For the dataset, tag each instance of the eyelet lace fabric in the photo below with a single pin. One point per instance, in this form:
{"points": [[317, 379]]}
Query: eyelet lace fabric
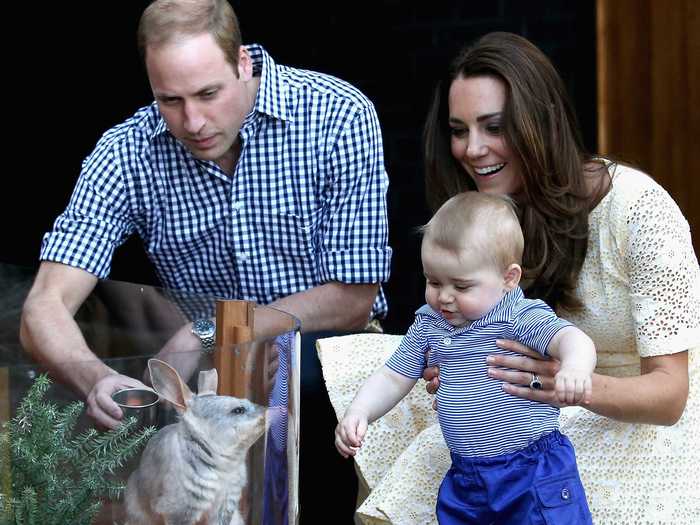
{"points": [[640, 285]]}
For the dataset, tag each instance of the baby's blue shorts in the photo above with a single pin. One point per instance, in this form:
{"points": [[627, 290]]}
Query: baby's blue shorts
{"points": [[538, 485]]}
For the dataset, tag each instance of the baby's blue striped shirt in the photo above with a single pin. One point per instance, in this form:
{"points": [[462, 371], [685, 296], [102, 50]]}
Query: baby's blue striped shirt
{"points": [[479, 419]]}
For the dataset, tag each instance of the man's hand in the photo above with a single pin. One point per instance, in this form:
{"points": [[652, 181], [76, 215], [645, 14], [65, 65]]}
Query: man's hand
{"points": [[101, 407], [349, 433]]}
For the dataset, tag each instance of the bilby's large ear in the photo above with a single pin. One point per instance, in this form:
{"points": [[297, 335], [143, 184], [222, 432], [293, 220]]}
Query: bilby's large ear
{"points": [[167, 382], [207, 382]]}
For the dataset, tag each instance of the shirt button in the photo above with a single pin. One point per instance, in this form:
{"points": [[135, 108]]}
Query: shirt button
{"points": [[243, 256], [447, 341], [237, 206], [565, 494]]}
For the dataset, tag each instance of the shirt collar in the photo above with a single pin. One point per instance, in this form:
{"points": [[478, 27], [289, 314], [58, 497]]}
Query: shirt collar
{"points": [[272, 93], [503, 310], [161, 126]]}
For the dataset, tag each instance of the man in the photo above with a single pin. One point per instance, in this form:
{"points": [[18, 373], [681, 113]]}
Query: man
{"points": [[245, 179]]}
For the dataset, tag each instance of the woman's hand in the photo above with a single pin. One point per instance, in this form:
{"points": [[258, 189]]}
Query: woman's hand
{"points": [[431, 376], [522, 367]]}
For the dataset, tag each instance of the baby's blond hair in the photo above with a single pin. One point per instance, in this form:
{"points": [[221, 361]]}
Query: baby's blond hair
{"points": [[479, 226]]}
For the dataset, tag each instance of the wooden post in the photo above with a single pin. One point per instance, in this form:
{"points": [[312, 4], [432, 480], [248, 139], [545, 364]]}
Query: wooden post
{"points": [[649, 92], [234, 325], [240, 377]]}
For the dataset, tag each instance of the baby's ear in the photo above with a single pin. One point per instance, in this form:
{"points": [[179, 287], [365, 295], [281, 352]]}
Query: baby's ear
{"points": [[512, 276]]}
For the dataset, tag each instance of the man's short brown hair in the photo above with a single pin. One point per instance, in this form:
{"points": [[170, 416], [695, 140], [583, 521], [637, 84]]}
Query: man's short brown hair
{"points": [[166, 20]]}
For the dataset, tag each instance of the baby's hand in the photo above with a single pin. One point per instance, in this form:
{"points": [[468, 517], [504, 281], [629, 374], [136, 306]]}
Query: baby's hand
{"points": [[573, 386], [349, 433]]}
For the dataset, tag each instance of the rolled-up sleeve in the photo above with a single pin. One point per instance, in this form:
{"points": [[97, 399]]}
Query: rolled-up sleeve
{"points": [[95, 221], [353, 244]]}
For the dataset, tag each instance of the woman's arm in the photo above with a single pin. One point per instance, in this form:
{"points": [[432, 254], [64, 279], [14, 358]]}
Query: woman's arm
{"points": [[654, 249], [657, 396]]}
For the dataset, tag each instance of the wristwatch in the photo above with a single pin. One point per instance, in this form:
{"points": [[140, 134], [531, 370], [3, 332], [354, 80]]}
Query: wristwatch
{"points": [[206, 331]]}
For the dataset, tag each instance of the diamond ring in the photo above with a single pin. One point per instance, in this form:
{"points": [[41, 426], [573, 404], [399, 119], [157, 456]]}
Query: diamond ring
{"points": [[536, 383]]}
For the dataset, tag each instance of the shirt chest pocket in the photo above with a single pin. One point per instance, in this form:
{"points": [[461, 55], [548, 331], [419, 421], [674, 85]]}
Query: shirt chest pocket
{"points": [[278, 234]]}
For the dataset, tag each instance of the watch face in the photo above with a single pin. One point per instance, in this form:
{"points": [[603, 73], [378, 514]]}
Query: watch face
{"points": [[203, 327]]}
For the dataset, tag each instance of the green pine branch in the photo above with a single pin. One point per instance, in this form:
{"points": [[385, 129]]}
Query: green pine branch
{"points": [[56, 477]]}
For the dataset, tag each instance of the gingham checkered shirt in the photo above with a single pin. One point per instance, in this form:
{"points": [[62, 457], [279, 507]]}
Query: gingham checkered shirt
{"points": [[306, 204]]}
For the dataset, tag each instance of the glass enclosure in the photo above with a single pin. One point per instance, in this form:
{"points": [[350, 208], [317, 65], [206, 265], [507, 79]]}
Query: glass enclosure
{"points": [[206, 438]]}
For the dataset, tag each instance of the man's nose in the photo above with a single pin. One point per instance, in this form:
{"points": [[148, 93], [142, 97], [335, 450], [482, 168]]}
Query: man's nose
{"points": [[193, 118]]}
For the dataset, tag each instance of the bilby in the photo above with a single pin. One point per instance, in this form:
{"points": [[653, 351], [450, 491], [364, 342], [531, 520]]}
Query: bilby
{"points": [[193, 471]]}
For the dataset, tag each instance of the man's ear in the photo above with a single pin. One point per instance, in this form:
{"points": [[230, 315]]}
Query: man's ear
{"points": [[512, 276], [245, 64]]}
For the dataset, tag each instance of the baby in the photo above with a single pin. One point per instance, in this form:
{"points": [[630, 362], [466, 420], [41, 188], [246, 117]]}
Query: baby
{"points": [[509, 460]]}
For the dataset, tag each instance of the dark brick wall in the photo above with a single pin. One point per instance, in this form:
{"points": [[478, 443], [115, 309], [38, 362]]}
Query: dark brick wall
{"points": [[392, 50]]}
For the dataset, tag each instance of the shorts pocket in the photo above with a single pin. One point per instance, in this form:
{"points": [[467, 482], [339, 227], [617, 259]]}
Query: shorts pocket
{"points": [[562, 500]]}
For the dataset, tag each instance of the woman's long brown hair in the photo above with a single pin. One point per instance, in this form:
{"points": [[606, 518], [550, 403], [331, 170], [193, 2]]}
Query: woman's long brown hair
{"points": [[541, 128]]}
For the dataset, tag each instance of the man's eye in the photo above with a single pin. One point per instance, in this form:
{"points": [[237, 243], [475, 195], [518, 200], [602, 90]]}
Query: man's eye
{"points": [[208, 94], [462, 288]]}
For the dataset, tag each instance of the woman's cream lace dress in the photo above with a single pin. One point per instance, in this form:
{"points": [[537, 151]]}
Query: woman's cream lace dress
{"points": [[641, 287]]}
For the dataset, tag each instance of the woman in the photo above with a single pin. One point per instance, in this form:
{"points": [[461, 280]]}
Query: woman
{"points": [[606, 247]]}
